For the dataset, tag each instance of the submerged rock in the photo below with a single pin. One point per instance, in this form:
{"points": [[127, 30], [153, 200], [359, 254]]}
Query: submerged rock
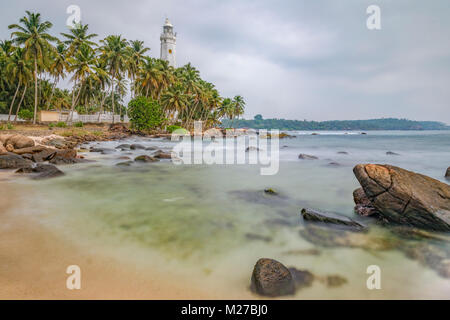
{"points": [[304, 156], [253, 236], [329, 217], [272, 279], [390, 153], [252, 149], [430, 255], [136, 146], [124, 164], [270, 191], [102, 150], [342, 152], [334, 280], [162, 155], [145, 158], [302, 278], [42, 171], [404, 197], [13, 161], [124, 146]]}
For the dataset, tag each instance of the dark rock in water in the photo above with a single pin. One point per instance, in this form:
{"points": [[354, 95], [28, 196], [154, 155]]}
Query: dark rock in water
{"points": [[307, 157], [363, 205], [136, 146], [162, 155], [13, 161], [58, 160], [124, 158], [334, 164], [252, 236], [124, 164], [411, 233], [42, 171], [328, 217], [363, 133], [270, 191], [252, 149], [103, 150], [124, 146], [260, 197], [280, 222], [151, 148], [145, 158], [302, 278], [390, 153], [405, 197], [430, 255], [342, 152], [272, 279], [329, 237], [333, 281], [447, 173], [44, 155]]}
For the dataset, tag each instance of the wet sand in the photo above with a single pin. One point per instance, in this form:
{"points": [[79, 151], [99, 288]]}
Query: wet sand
{"points": [[34, 261]]}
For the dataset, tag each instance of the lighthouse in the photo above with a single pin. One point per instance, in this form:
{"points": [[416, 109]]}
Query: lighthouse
{"points": [[168, 44]]}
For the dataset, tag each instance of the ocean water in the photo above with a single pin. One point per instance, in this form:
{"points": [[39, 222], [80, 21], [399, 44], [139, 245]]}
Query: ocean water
{"points": [[208, 224]]}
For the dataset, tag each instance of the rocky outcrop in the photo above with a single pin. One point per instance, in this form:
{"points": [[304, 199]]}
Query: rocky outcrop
{"points": [[162, 155], [304, 156], [328, 217], [18, 141], [404, 197], [136, 146], [13, 161], [2, 149], [42, 171], [447, 173], [363, 206], [272, 279]]}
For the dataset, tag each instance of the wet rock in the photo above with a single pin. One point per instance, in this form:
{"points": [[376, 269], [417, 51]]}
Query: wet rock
{"points": [[333, 281], [342, 152], [162, 155], [329, 217], [151, 148], [302, 278], [280, 222], [145, 158], [124, 146], [330, 237], [253, 236], [252, 148], [390, 153], [44, 155], [411, 233], [270, 191], [447, 173], [3, 149], [333, 164], [63, 161], [363, 205], [124, 164], [19, 141], [13, 161], [124, 158], [136, 146], [42, 171], [102, 150], [58, 143], [272, 279], [404, 197], [304, 156]]}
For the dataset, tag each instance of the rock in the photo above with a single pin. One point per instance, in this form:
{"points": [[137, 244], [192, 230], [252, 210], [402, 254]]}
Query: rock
{"points": [[411, 233], [328, 217], [58, 143], [102, 150], [302, 278], [390, 153], [119, 127], [363, 206], [334, 164], [19, 141], [136, 146], [342, 152], [252, 148], [252, 236], [270, 191], [13, 161], [67, 153], [44, 155], [447, 173], [124, 146], [272, 279], [125, 163], [330, 238], [333, 281], [430, 255], [124, 158], [145, 158], [3, 149], [42, 171], [151, 148], [3, 138], [57, 160], [404, 197], [9, 148], [162, 155], [307, 157]]}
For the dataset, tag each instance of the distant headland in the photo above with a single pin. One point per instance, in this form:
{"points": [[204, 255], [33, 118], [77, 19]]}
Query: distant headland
{"points": [[372, 124]]}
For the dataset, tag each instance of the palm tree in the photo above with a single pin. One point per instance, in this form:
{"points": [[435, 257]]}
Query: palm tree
{"points": [[33, 35], [174, 100], [136, 52], [58, 67], [149, 77], [78, 36], [114, 53]]}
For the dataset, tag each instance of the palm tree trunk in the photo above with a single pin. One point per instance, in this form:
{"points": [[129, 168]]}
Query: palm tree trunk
{"points": [[51, 95], [12, 102], [35, 90], [20, 103], [112, 99]]}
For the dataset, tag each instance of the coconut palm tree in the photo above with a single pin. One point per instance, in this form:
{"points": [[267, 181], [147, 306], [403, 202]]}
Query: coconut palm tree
{"points": [[77, 36], [174, 100], [114, 53], [136, 51], [58, 67], [32, 34]]}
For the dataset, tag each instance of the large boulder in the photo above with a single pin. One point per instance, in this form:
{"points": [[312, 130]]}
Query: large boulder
{"points": [[42, 171], [405, 197], [13, 161], [272, 279], [19, 141]]}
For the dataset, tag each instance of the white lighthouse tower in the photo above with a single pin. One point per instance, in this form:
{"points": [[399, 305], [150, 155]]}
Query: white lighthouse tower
{"points": [[168, 44]]}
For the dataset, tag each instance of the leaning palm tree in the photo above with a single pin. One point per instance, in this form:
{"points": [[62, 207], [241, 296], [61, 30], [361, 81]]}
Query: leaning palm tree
{"points": [[114, 53], [57, 67], [32, 34]]}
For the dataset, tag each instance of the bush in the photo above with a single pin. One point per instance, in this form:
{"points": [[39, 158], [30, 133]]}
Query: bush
{"points": [[25, 114], [172, 128], [145, 114], [61, 124], [78, 124], [9, 126]]}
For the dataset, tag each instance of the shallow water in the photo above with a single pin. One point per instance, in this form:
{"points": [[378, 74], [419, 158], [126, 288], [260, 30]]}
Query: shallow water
{"points": [[211, 223]]}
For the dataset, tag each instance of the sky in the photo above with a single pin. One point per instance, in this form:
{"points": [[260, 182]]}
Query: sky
{"points": [[299, 59]]}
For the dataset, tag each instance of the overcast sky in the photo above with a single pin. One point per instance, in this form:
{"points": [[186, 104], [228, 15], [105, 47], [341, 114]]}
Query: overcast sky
{"points": [[299, 59]]}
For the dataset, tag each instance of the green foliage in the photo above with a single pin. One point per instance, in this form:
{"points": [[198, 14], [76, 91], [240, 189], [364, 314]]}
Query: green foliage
{"points": [[25, 114], [9, 126], [258, 117], [172, 128], [61, 124], [51, 125], [78, 124], [145, 114], [373, 124]]}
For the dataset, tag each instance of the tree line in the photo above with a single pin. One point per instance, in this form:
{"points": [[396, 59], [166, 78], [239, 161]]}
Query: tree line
{"points": [[33, 62]]}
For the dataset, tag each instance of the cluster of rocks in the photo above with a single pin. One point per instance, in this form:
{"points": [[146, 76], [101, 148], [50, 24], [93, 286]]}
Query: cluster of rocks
{"points": [[22, 153]]}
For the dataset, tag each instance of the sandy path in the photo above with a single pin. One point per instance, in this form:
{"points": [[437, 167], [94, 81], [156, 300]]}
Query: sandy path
{"points": [[33, 264]]}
